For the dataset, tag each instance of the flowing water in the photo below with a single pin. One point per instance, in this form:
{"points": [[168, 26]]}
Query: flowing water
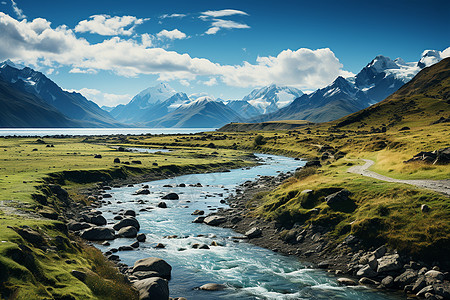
{"points": [[251, 272]]}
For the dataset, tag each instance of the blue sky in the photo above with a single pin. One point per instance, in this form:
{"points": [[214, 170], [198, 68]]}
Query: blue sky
{"points": [[111, 50]]}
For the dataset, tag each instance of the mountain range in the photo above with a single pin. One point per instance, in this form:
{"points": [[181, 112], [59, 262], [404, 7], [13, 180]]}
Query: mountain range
{"points": [[73, 109], [30, 99]]}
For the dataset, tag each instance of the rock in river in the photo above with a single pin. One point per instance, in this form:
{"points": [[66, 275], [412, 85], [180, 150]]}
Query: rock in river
{"points": [[213, 287], [214, 220], [98, 234], [153, 288], [128, 232], [171, 196], [253, 233], [154, 264], [130, 221]]}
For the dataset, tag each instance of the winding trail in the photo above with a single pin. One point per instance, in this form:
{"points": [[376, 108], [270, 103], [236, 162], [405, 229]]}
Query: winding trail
{"points": [[440, 186]]}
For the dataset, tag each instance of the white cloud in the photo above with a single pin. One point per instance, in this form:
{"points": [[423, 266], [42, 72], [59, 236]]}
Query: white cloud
{"points": [[4, 2], [212, 81], [107, 25], [104, 98], [218, 24], [17, 10], [83, 71], [185, 82], [165, 16], [222, 13], [36, 43], [171, 35]]}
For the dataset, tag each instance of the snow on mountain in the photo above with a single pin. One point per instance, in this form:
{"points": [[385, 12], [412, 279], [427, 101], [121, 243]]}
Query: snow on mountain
{"points": [[196, 96], [272, 97], [152, 95], [429, 57]]}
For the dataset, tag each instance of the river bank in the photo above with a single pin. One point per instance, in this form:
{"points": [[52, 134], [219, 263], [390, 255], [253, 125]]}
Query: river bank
{"points": [[350, 261]]}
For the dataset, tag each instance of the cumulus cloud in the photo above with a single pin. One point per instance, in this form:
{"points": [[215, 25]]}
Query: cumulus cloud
{"points": [[212, 81], [171, 35], [36, 43], [102, 98], [185, 82], [17, 10], [218, 24], [109, 26], [165, 16], [83, 71], [222, 13]]}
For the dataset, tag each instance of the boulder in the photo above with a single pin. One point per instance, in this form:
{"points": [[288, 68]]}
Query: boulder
{"points": [[135, 245], [127, 232], [162, 204], [253, 233], [380, 251], [116, 160], [76, 226], [142, 191], [419, 284], [153, 288], [214, 220], [199, 219], [141, 237], [198, 212], [436, 275], [31, 236], [126, 248], [171, 196], [346, 281], [388, 281], [161, 267], [366, 271], [79, 275], [98, 234], [407, 277], [213, 287], [98, 220], [130, 221], [389, 263], [130, 212], [365, 280], [340, 201]]}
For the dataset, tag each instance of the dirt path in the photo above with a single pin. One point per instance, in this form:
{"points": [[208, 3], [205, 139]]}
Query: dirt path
{"points": [[440, 186]]}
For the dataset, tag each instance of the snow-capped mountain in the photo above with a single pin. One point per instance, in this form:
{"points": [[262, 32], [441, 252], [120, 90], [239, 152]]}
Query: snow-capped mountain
{"points": [[245, 109], [73, 105], [272, 97], [376, 81], [201, 113], [142, 101]]}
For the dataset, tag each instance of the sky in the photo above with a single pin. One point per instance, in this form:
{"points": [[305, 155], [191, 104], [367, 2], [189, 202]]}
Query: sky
{"points": [[111, 50]]}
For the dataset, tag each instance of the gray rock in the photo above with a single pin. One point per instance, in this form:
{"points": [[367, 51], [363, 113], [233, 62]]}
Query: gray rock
{"points": [[98, 234], [389, 263], [31, 236], [427, 289], [366, 271], [135, 245], [253, 233], [365, 280], [388, 281], [127, 232], [199, 219], [130, 221], [338, 198], [153, 264], [142, 191], [130, 212], [162, 204], [213, 287], [214, 220], [419, 284], [407, 277], [346, 281], [198, 212], [171, 196], [77, 226], [141, 237], [126, 248], [153, 288], [145, 274], [98, 220], [380, 251], [437, 275], [79, 275]]}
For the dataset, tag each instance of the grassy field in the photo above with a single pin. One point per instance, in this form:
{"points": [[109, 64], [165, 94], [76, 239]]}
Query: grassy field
{"points": [[27, 270]]}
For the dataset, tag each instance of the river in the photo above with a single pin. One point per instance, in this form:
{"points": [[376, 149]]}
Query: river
{"points": [[250, 271]]}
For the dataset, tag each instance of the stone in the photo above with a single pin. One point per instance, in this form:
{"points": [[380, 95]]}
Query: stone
{"points": [[79, 275], [153, 288], [198, 212], [160, 246], [116, 160], [141, 237], [437, 275], [419, 284], [135, 245], [145, 274], [407, 277], [31, 236], [365, 280], [388, 281], [323, 265], [380, 251], [157, 265], [253, 233], [339, 200], [98, 220], [130, 221], [213, 287], [77, 226], [389, 263], [427, 289], [346, 281], [98, 234], [424, 208], [199, 219], [366, 271], [162, 204], [203, 246], [126, 248], [127, 232], [214, 220], [171, 196], [142, 191], [130, 212]]}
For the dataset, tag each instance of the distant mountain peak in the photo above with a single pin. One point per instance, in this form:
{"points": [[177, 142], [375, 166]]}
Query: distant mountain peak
{"points": [[429, 57], [11, 64], [382, 63], [272, 97]]}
